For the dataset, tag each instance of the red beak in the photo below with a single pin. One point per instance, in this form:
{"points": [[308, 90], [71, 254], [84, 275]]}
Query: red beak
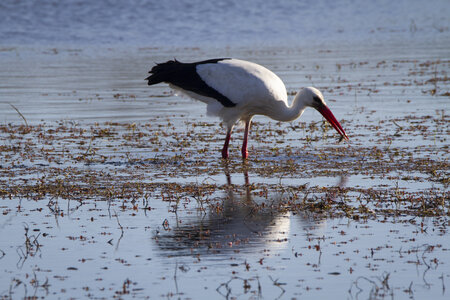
{"points": [[327, 114]]}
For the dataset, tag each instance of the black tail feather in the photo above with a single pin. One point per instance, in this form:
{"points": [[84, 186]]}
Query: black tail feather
{"points": [[163, 72]]}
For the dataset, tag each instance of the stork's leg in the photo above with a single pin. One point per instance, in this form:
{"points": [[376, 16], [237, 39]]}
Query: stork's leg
{"points": [[227, 142], [244, 144]]}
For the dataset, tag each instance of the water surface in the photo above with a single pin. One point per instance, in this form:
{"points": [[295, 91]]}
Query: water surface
{"points": [[110, 188]]}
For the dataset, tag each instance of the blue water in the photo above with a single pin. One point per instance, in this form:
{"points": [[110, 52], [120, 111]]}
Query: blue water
{"points": [[82, 253], [221, 23]]}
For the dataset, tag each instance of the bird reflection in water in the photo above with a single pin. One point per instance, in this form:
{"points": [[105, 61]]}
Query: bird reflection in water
{"points": [[246, 223], [241, 225]]}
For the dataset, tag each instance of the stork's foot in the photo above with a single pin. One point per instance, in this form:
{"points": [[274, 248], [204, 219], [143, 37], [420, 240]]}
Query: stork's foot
{"points": [[225, 146], [244, 144]]}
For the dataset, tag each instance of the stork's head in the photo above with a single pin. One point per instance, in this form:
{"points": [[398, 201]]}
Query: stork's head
{"points": [[314, 98]]}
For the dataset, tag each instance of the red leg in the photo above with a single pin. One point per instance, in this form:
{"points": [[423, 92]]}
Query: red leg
{"points": [[244, 144], [225, 146]]}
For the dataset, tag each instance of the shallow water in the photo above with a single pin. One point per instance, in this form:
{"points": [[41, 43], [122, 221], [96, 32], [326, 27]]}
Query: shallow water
{"points": [[224, 23], [270, 254], [117, 189]]}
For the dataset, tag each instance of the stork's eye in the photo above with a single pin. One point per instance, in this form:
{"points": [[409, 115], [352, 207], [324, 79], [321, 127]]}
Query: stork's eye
{"points": [[317, 99]]}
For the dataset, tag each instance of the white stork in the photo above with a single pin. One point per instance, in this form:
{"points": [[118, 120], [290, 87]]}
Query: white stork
{"points": [[236, 90]]}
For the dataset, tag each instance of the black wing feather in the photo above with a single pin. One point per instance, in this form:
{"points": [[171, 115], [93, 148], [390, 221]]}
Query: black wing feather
{"points": [[185, 76]]}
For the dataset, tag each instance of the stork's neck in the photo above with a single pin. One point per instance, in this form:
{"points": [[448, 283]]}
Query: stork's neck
{"points": [[292, 112]]}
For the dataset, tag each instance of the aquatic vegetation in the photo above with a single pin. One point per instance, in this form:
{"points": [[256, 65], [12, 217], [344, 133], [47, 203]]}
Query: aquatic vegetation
{"points": [[123, 206]]}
